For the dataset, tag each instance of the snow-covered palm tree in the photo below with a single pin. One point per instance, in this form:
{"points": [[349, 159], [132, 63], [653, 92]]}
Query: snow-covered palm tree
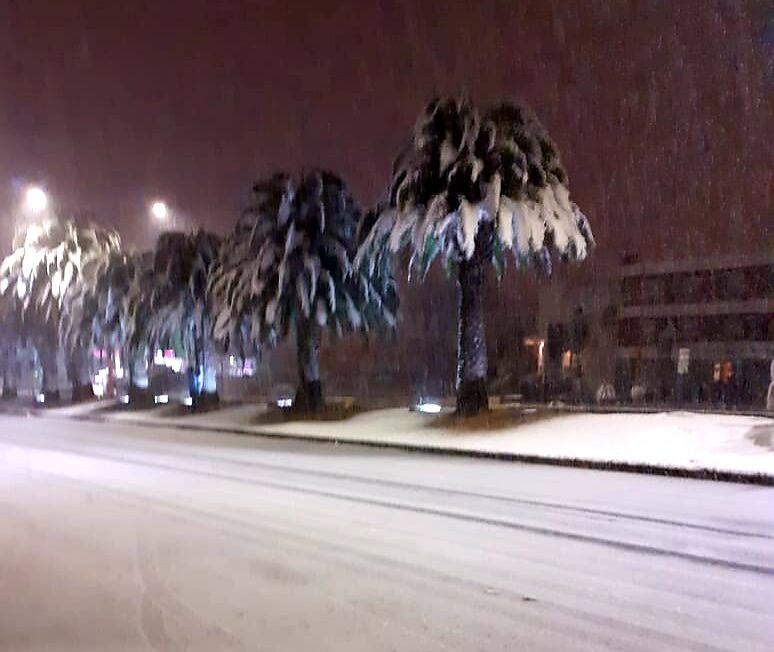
{"points": [[10, 339], [171, 302], [137, 344], [471, 186], [96, 311], [46, 261], [288, 268]]}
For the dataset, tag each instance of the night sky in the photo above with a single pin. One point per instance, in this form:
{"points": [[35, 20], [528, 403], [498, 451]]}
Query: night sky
{"points": [[662, 110]]}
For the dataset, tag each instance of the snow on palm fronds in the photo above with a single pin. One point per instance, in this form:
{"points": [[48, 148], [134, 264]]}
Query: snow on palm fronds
{"points": [[170, 299], [44, 266], [290, 259], [476, 184], [10, 316], [138, 306], [96, 311]]}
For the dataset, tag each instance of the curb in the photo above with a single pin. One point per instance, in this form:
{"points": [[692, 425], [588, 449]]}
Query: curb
{"points": [[651, 409], [759, 479]]}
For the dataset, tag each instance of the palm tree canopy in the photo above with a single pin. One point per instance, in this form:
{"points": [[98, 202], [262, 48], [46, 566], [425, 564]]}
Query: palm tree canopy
{"points": [[96, 310], [478, 184], [46, 261], [171, 297], [290, 258]]}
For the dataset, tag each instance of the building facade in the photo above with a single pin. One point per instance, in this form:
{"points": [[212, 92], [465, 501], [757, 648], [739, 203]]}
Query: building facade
{"points": [[696, 330]]}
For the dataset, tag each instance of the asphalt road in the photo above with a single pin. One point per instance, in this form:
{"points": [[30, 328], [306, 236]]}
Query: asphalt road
{"points": [[126, 538]]}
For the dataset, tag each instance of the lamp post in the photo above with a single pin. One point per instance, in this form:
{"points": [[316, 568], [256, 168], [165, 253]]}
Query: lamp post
{"points": [[35, 200], [34, 205], [159, 211]]}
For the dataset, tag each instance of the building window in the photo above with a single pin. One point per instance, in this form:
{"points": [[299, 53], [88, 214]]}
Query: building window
{"points": [[737, 285], [629, 332], [567, 360], [651, 290], [721, 372], [631, 291], [760, 281], [733, 328]]}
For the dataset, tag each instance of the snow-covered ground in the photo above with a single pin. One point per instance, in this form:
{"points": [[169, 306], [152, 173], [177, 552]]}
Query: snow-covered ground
{"points": [[117, 538], [729, 443]]}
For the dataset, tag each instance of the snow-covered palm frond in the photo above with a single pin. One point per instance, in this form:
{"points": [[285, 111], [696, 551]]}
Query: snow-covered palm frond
{"points": [[45, 267], [138, 306], [96, 311], [466, 170], [297, 265], [170, 299]]}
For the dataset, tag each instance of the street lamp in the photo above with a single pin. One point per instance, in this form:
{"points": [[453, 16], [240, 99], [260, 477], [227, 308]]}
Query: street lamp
{"points": [[35, 200], [159, 210]]}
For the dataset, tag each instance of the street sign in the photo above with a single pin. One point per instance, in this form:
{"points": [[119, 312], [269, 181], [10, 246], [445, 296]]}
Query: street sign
{"points": [[683, 360]]}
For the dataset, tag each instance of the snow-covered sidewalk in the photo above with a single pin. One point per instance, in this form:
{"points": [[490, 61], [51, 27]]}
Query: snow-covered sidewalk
{"points": [[726, 444]]}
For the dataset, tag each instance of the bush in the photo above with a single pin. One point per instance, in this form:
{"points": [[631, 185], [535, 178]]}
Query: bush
{"points": [[639, 393], [605, 393]]}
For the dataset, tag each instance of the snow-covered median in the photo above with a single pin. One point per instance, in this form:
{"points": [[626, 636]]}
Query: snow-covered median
{"points": [[672, 440]]}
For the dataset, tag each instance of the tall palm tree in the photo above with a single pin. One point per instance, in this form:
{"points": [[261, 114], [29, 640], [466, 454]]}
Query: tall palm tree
{"points": [[288, 268], [46, 261], [469, 187], [175, 304]]}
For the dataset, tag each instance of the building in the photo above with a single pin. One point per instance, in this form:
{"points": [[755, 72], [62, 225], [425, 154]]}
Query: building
{"points": [[699, 330], [576, 340]]}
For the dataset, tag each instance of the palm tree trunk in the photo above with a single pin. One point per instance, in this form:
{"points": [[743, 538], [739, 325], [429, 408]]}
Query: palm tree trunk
{"points": [[10, 373], [110, 387], [471, 342], [206, 392], [79, 376], [136, 363], [309, 392], [47, 354]]}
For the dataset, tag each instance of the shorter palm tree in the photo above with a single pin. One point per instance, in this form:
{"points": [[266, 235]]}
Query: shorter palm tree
{"points": [[10, 339], [37, 277], [288, 268], [95, 312], [175, 304], [136, 342]]}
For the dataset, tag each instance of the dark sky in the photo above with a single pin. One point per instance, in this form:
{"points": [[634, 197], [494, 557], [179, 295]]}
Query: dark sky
{"points": [[661, 109]]}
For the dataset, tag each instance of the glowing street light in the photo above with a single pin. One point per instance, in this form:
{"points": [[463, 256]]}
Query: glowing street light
{"points": [[35, 200], [159, 210]]}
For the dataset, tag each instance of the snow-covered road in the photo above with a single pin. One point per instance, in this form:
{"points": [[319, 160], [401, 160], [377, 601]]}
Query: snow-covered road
{"points": [[114, 537]]}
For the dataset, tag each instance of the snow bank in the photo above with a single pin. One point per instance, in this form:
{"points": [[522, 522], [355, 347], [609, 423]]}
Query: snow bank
{"points": [[677, 439], [729, 443]]}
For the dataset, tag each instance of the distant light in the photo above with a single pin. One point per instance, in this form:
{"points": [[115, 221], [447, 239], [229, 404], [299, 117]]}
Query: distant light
{"points": [[166, 358], [119, 368], [124, 399], [429, 408], [35, 199], [159, 210], [284, 402], [161, 398], [188, 401], [40, 398]]}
